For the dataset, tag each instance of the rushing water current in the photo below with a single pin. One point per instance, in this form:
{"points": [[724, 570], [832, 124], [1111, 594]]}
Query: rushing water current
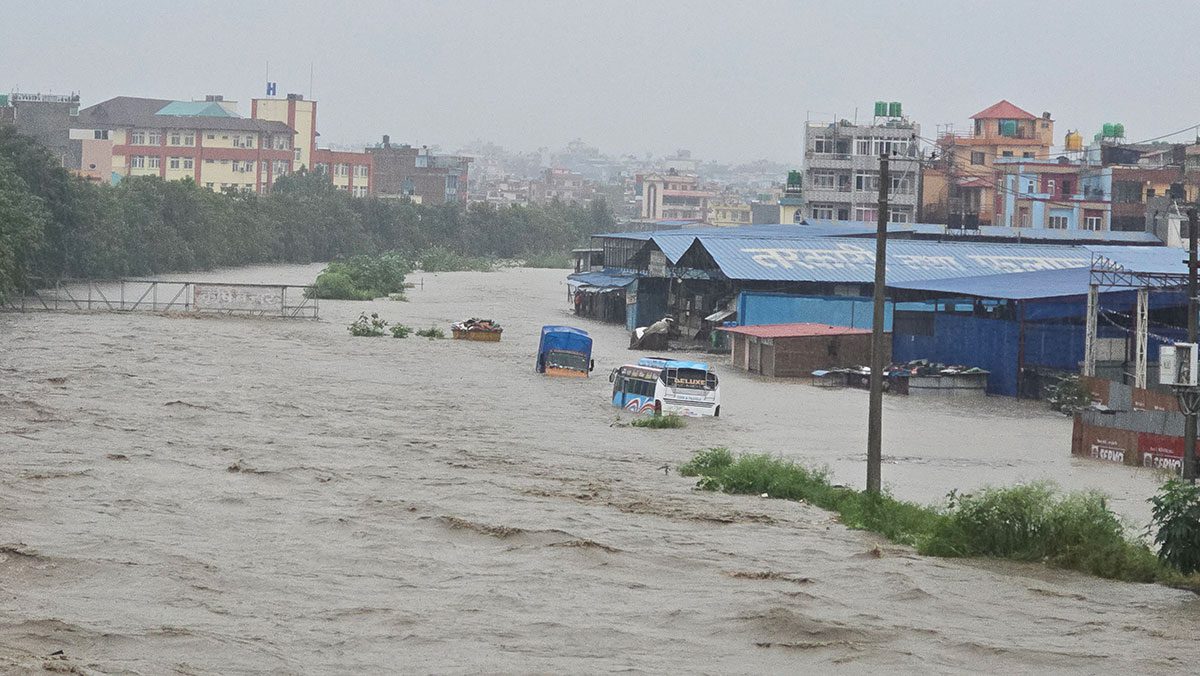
{"points": [[227, 495]]}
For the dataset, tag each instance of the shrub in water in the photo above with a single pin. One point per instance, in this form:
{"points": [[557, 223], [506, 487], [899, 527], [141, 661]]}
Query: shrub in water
{"points": [[368, 326], [337, 285], [1029, 522], [660, 422], [362, 277], [431, 333], [1177, 518], [401, 331]]}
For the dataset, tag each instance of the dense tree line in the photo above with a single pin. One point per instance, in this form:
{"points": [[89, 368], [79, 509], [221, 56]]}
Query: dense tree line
{"points": [[54, 225]]}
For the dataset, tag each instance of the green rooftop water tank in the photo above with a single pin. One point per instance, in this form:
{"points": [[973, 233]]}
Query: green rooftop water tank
{"points": [[1119, 130], [3, 100], [1109, 130], [881, 109], [894, 109]]}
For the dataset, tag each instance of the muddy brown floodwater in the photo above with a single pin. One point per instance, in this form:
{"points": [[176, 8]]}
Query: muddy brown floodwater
{"points": [[204, 496]]}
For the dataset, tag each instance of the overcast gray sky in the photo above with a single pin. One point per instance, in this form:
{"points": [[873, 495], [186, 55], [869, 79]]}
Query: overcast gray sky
{"points": [[728, 80]]}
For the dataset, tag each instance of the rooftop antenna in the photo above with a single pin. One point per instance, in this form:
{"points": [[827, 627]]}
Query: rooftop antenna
{"points": [[310, 80]]}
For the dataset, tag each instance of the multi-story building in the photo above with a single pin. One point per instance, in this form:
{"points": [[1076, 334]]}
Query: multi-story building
{"points": [[349, 171], [729, 210], [841, 170], [673, 196], [1130, 188], [206, 141], [48, 118], [404, 171], [1050, 194], [563, 185], [961, 181], [791, 203]]}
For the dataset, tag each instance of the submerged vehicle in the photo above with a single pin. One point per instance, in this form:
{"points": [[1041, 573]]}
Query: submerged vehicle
{"points": [[565, 351], [659, 385]]}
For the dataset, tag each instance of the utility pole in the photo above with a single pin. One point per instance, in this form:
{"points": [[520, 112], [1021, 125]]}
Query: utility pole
{"points": [[1189, 428], [875, 412]]}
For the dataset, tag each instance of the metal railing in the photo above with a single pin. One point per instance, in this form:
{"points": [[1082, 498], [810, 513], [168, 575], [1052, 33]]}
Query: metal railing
{"points": [[139, 295]]}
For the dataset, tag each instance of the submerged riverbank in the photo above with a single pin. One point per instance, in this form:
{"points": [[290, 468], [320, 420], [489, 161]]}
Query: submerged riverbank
{"points": [[225, 495]]}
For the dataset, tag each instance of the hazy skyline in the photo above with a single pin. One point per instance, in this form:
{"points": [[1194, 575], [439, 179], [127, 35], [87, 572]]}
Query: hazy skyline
{"points": [[728, 81]]}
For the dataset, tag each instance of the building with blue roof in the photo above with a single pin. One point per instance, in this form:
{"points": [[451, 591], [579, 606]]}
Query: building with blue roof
{"points": [[1008, 303]]}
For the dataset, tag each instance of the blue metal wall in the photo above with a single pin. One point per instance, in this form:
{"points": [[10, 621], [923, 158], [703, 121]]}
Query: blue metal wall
{"points": [[755, 308], [990, 344]]}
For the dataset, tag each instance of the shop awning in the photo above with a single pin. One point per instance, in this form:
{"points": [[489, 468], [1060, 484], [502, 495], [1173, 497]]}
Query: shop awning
{"points": [[720, 315], [601, 280]]}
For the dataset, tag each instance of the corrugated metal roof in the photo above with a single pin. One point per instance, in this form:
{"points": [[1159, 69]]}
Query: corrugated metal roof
{"points": [[1010, 286], [133, 111], [603, 279], [793, 330], [847, 260], [194, 109], [1163, 260], [1037, 234]]}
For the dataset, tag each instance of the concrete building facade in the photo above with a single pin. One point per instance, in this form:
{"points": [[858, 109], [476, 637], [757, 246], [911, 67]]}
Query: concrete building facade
{"points": [[674, 196], [841, 170], [404, 171], [47, 118], [1050, 194], [205, 141], [960, 184]]}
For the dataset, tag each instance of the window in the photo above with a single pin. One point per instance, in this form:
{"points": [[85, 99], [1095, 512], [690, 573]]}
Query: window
{"points": [[423, 161], [173, 163], [898, 216], [866, 181], [1050, 185], [342, 169], [1093, 223], [210, 137], [1027, 155], [249, 142], [360, 170], [451, 184], [1058, 222], [823, 180], [137, 162], [154, 162], [901, 185], [100, 134], [869, 214], [189, 139], [209, 161], [137, 138], [187, 163], [822, 211], [175, 139], [1023, 217], [1006, 153], [282, 143], [321, 167], [890, 147], [823, 145], [862, 146], [1149, 192], [279, 167], [977, 158], [153, 138]]}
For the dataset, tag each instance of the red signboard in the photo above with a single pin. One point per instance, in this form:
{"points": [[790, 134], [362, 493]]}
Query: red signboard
{"points": [[1110, 445], [1161, 451]]}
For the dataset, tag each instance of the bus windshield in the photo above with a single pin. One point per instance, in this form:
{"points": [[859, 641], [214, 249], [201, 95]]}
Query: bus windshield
{"points": [[567, 360], [692, 379]]}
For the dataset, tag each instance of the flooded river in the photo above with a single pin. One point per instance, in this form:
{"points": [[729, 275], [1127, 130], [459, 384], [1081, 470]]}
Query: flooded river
{"points": [[216, 495]]}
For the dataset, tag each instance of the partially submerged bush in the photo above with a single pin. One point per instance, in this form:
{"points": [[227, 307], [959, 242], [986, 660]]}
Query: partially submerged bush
{"points": [[441, 259], [401, 331], [431, 333], [1177, 517], [366, 326], [362, 277], [660, 422], [1031, 522]]}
